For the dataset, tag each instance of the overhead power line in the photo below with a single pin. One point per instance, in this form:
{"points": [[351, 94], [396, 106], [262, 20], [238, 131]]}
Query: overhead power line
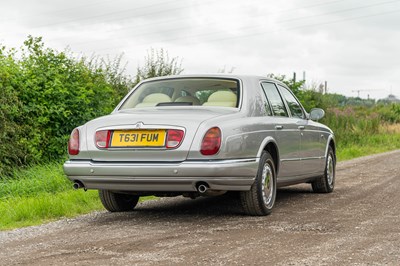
{"points": [[80, 7], [247, 28], [341, 11], [216, 35], [185, 26], [145, 14], [259, 33], [55, 11]]}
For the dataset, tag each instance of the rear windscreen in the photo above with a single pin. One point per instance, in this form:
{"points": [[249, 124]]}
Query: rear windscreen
{"points": [[185, 92]]}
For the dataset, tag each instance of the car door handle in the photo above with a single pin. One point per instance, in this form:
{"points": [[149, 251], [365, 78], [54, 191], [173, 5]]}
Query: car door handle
{"points": [[301, 127], [278, 127]]}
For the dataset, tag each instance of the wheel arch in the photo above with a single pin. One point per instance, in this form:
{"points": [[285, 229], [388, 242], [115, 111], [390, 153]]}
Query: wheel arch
{"points": [[269, 145], [331, 143]]}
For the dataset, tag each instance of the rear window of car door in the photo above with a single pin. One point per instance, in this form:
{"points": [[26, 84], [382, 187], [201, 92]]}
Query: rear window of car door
{"points": [[293, 104], [272, 93]]}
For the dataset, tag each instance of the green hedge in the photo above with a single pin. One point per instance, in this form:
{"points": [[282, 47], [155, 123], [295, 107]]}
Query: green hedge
{"points": [[44, 95]]}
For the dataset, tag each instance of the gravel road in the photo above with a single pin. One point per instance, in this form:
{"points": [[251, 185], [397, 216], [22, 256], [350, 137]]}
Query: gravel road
{"points": [[357, 224]]}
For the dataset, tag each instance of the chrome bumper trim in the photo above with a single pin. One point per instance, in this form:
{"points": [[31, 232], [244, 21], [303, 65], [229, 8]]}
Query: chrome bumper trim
{"points": [[237, 174]]}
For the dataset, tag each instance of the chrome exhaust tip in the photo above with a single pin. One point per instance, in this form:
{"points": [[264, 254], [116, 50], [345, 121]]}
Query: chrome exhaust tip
{"points": [[202, 188], [78, 185]]}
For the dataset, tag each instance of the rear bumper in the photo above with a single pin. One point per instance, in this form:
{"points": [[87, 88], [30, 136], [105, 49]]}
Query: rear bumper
{"points": [[228, 175]]}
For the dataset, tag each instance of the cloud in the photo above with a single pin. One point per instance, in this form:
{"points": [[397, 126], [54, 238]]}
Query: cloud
{"points": [[351, 44]]}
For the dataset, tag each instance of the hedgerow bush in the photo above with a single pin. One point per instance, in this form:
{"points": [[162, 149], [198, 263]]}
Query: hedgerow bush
{"points": [[12, 151], [44, 95]]}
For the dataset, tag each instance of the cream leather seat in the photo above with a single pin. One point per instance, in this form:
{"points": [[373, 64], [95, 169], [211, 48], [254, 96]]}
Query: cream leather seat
{"points": [[154, 99], [222, 98]]}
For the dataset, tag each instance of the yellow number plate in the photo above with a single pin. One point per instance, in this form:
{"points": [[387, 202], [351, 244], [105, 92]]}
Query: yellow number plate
{"points": [[138, 138]]}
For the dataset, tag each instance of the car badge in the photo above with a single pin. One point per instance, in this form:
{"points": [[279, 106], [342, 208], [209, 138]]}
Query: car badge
{"points": [[139, 125]]}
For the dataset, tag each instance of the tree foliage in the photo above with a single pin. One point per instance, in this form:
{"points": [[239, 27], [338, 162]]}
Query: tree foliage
{"points": [[44, 95], [310, 97], [113, 71], [157, 64], [12, 151], [294, 86]]}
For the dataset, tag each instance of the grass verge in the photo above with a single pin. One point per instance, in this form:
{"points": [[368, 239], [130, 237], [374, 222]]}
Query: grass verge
{"points": [[24, 211], [368, 145], [40, 194]]}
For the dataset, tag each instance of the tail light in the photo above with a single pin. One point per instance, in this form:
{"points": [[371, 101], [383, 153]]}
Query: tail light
{"points": [[73, 143], [174, 138], [211, 142], [102, 138]]}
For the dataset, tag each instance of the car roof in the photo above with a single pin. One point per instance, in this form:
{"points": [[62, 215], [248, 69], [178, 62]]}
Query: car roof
{"points": [[228, 76]]}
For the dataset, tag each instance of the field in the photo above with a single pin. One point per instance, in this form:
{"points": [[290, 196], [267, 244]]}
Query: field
{"points": [[360, 133]]}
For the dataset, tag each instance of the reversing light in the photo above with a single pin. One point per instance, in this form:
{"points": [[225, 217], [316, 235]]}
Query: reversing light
{"points": [[211, 142], [73, 143], [174, 138], [102, 138]]}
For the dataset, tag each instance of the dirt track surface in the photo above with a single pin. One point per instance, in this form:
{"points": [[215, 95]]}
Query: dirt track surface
{"points": [[357, 224]]}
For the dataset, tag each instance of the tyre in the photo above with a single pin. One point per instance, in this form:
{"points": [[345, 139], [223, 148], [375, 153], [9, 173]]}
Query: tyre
{"points": [[118, 202], [260, 199], [326, 183]]}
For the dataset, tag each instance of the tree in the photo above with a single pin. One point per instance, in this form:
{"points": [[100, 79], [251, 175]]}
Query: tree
{"points": [[295, 86], [157, 64], [309, 97], [113, 71], [44, 94]]}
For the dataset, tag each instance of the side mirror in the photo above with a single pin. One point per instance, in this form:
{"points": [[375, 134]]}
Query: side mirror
{"points": [[316, 114]]}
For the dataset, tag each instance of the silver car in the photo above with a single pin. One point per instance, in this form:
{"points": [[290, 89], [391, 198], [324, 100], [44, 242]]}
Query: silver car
{"points": [[203, 135]]}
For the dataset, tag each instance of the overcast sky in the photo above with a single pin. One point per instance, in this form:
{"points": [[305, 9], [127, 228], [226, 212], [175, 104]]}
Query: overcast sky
{"points": [[354, 45]]}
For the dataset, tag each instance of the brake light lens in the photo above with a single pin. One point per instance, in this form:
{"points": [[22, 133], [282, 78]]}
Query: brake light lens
{"points": [[73, 143], [102, 138], [211, 141], [174, 138]]}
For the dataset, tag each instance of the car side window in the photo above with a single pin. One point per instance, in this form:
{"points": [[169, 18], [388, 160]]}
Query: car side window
{"points": [[272, 93], [293, 104], [267, 106]]}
